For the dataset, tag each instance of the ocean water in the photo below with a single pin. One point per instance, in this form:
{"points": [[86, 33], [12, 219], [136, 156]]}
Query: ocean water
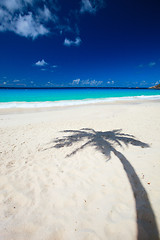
{"points": [[60, 97]]}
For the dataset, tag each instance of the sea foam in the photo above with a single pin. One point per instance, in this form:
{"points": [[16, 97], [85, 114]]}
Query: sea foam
{"points": [[49, 104]]}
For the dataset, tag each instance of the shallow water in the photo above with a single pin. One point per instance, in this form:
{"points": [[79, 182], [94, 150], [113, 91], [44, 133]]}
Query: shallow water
{"points": [[60, 97]]}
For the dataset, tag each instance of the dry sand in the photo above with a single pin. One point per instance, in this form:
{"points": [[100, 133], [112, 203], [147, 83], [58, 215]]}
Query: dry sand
{"points": [[97, 183]]}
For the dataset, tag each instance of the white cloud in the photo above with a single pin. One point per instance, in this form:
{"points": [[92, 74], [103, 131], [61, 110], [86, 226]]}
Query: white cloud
{"points": [[23, 25], [28, 27], [76, 81], [91, 82], [50, 84], [91, 6], [45, 14], [158, 82], [151, 64], [68, 42], [110, 81], [87, 82], [54, 66], [143, 83], [86, 6], [16, 80], [12, 5], [34, 18], [96, 83], [44, 66], [41, 63], [25, 18]]}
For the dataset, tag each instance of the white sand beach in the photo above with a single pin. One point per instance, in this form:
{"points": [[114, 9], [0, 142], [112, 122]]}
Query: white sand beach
{"points": [[81, 173]]}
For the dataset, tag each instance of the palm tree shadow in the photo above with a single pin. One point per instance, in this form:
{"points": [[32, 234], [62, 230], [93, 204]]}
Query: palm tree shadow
{"points": [[105, 142]]}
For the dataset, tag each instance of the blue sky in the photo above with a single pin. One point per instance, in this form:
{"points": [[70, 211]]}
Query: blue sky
{"points": [[79, 43]]}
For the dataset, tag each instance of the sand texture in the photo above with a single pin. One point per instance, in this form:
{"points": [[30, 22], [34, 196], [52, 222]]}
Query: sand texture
{"points": [[81, 173]]}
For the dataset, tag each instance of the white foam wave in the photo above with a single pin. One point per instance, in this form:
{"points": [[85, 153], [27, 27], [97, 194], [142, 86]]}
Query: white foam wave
{"points": [[49, 104]]}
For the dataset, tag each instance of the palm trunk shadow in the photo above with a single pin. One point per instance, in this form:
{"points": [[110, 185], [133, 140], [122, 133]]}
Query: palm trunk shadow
{"points": [[105, 143], [146, 222]]}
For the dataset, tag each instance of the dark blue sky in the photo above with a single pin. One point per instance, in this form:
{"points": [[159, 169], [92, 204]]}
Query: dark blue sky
{"points": [[79, 43]]}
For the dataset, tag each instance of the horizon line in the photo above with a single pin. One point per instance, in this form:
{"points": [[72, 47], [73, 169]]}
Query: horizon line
{"points": [[76, 88]]}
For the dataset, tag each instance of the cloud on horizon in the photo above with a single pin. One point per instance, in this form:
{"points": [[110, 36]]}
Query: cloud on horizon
{"points": [[76, 81], [110, 81], [16, 80], [34, 18], [157, 82], [88, 82]]}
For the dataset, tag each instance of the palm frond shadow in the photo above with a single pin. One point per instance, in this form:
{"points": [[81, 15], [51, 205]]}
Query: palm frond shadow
{"points": [[106, 143]]}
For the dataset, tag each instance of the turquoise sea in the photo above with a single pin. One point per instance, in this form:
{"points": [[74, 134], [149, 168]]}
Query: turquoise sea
{"points": [[60, 97]]}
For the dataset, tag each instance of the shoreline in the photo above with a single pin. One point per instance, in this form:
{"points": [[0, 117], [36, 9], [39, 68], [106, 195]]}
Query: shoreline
{"points": [[49, 105], [21, 110]]}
